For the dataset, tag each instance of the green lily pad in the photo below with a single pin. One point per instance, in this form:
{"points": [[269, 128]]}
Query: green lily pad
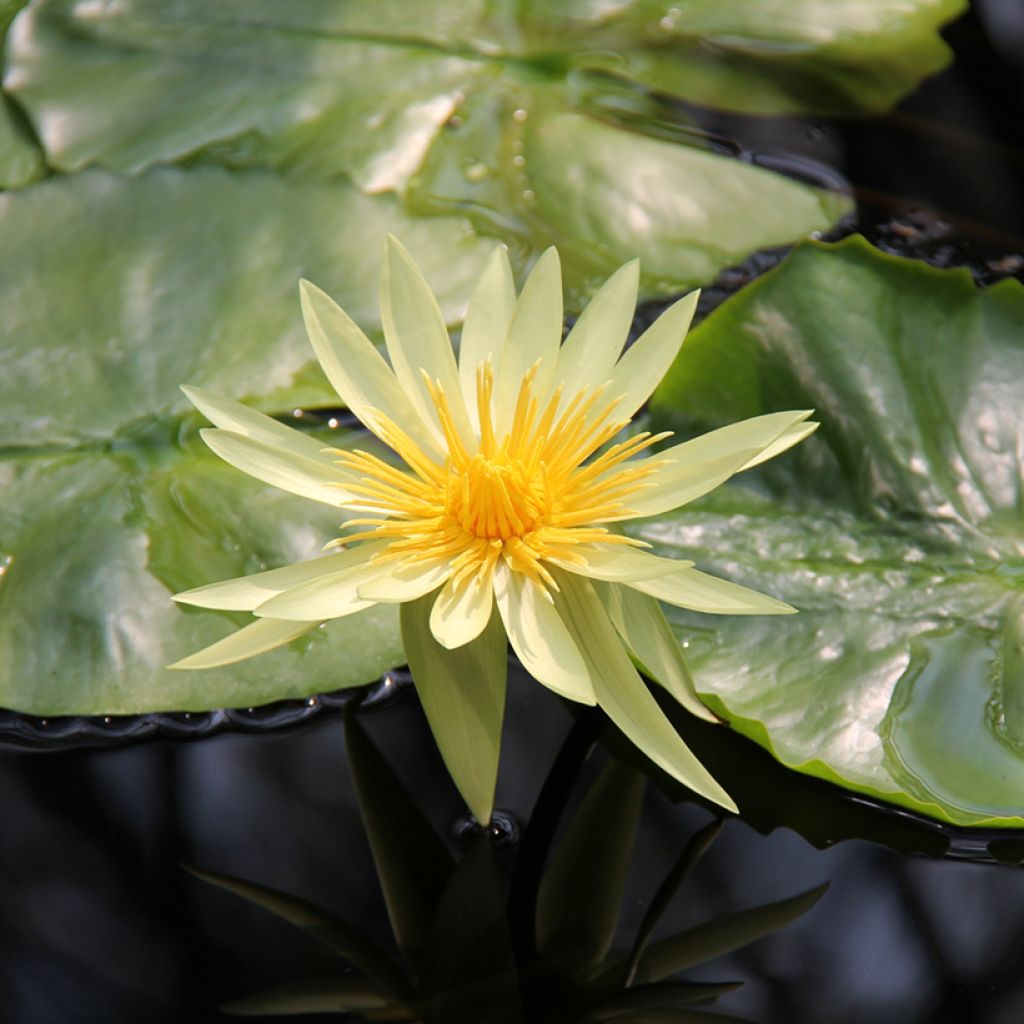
{"points": [[898, 530], [21, 159], [110, 504], [454, 107], [118, 289], [772, 56]]}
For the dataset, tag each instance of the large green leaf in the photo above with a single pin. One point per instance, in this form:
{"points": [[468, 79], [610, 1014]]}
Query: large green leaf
{"points": [[770, 56], [21, 160], [115, 290], [449, 104], [898, 530], [110, 504]]}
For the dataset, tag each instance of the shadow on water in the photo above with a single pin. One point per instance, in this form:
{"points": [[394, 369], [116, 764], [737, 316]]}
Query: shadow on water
{"points": [[101, 922]]}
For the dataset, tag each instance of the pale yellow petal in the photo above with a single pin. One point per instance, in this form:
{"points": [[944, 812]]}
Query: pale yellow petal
{"points": [[539, 637], [358, 372], [461, 611], [326, 597], [790, 436], [596, 340], [534, 334], [240, 419], [700, 592], [617, 563], [417, 338], [257, 638], [406, 583], [248, 592], [621, 692], [689, 470], [647, 360], [672, 486], [648, 637], [487, 319], [310, 478]]}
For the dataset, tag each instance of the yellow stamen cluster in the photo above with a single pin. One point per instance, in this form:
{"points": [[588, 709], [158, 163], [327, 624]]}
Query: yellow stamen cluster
{"points": [[529, 496]]}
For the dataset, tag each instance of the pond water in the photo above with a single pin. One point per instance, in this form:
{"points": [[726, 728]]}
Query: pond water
{"points": [[921, 923]]}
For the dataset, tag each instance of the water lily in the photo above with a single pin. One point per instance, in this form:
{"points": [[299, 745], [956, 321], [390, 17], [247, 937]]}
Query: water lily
{"points": [[499, 515]]}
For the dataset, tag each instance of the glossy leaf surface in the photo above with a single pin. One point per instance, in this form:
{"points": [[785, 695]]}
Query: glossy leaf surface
{"points": [[472, 108], [897, 531], [110, 504]]}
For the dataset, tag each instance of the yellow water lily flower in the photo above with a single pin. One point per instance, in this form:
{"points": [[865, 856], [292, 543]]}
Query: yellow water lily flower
{"points": [[501, 520]]}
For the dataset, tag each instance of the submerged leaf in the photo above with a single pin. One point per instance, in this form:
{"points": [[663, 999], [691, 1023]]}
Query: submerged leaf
{"points": [[583, 888], [692, 853], [319, 995], [722, 935], [469, 972], [327, 928], [413, 865]]}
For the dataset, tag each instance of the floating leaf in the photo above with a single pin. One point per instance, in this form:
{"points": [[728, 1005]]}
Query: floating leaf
{"points": [[453, 106], [898, 531], [772, 56], [167, 278], [21, 160]]}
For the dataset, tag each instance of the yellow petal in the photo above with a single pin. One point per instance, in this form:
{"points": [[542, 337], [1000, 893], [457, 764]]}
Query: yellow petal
{"points": [[693, 468], [326, 597], [539, 637], [621, 692], [790, 436], [248, 592], [417, 338], [310, 478], [240, 419], [597, 338], [647, 360], [648, 637], [534, 334], [461, 611], [357, 371], [486, 325], [407, 583], [256, 638], [618, 563], [700, 592]]}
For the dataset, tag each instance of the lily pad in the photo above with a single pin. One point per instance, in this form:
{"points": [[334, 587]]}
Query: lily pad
{"points": [[898, 530], [21, 159], [454, 107], [110, 504], [118, 289]]}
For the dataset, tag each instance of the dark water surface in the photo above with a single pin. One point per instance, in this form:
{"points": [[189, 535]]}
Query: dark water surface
{"points": [[99, 923]]}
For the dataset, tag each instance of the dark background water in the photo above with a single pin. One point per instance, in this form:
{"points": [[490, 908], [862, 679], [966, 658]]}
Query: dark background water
{"points": [[98, 923]]}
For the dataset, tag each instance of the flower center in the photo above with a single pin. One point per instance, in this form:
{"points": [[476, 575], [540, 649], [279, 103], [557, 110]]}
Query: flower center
{"points": [[530, 494], [496, 498]]}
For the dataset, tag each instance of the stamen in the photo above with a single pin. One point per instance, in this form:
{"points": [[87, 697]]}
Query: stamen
{"points": [[529, 496]]}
